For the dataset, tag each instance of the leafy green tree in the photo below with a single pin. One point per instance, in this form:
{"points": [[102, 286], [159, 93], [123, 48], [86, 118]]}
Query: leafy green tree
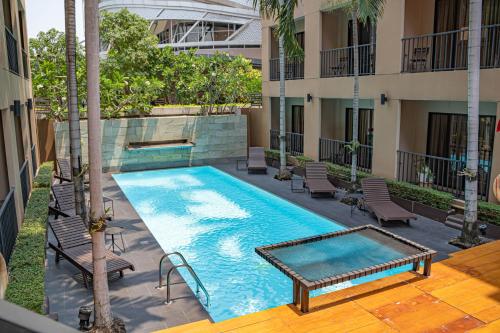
{"points": [[48, 59]]}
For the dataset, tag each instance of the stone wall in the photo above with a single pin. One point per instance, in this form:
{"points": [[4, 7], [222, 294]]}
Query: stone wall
{"points": [[213, 138]]}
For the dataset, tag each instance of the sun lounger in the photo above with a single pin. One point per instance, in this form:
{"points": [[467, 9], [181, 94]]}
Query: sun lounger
{"points": [[256, 160], [378, 201], [316, 179], [75, 245], [63, 170], [64, 195]]}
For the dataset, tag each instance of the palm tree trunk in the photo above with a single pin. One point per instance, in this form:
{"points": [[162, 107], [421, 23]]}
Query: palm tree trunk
{"points": [[355, 100], [470, 236], [73, 112], [102, 307], [281, 43]]}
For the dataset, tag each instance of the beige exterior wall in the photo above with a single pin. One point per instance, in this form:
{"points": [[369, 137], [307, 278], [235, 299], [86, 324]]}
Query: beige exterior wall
{"points": [[14, 87], [402, 122]]}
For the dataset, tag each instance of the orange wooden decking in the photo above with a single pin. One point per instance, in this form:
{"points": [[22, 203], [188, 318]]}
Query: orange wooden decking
{"points": [[462, 295]]}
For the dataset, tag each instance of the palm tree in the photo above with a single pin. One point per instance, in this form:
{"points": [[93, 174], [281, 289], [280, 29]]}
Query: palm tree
{"points": [[363, 11], [73, 112], [282, 11], [102, 307], [470, 236]]}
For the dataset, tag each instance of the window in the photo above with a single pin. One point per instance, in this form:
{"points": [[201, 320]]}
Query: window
{"points": [[365, 126], [7, 14], [19, 139], [447, 136], [298, 119], [4, 178]]}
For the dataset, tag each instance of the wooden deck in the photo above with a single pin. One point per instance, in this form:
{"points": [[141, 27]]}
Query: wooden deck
{"points": [[462, 295]]}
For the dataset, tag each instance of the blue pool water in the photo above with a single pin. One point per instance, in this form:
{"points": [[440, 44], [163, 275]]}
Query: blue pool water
{"points": [[216, 221]]}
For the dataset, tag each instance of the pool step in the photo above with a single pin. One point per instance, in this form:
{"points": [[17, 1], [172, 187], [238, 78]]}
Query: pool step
{"points": [[202, 326]]}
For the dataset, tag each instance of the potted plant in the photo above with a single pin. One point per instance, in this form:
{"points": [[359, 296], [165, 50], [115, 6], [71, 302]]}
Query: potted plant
{"points": [[425, 175]]}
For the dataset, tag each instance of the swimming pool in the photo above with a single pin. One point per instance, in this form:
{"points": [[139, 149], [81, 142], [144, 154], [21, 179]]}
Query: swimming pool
{"points": [[216, 221]]}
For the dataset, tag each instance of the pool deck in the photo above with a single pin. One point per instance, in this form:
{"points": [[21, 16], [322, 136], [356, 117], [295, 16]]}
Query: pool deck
{"points": [[135, 298], [462, 295]]}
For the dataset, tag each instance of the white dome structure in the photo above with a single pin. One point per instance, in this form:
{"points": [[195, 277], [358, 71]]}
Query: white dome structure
{"points": [[231, 26]]}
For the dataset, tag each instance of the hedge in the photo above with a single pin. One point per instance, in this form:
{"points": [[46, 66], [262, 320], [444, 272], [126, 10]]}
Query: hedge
{"points": [[487, 212], [26, 286]]}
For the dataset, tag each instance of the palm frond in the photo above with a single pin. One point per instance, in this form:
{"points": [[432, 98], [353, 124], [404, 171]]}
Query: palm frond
{"points": [[366, 9], [283, 14]]}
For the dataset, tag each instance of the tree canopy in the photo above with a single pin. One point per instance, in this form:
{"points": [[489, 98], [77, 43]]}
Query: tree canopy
{"points": [[135, 72]]}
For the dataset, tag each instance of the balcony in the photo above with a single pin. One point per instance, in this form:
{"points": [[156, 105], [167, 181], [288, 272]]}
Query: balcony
{"points": [[443, 174], [12, 51], [8, 225], [294, 69], [338, 152], [340, 61], [447, 51], [294, 142]]}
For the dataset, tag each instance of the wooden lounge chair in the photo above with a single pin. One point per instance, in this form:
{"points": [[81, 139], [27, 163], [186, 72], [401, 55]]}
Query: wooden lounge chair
{"points": [[64, 195], [64, 205], [378, 201], [63, 170], [256, 160], [316, 179], [75, 245]]}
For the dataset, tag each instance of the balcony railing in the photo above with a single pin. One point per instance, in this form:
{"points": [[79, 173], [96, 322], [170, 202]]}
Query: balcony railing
{"points": [[8, 225], [26, 69], [294, 69], [448, 50], [34, 163], [12, 51], [25, 182], [337, 152], [339, 62], [443, 174], [294, 142]]}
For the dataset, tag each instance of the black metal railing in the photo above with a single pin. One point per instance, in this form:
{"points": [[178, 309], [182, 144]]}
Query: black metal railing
{"points": [[442, 173], [339, 62], [25, 183], [26, 69], [338, 152], [446, 51], [12, 51], [8, 225], [294, 142], [294, 69], [34, 163]]}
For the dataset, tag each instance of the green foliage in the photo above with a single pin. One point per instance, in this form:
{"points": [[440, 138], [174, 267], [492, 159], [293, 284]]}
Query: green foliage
{"points": [[26, 286], [488, 212], [44, 177], [423, 195], [48, 61], [135, 72]]}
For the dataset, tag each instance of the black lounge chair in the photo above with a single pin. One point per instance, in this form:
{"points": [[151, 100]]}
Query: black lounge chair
{"points": [[64, 204], [256, 160], [75, 245], [316, 179], [378, 201], [63, 170]]}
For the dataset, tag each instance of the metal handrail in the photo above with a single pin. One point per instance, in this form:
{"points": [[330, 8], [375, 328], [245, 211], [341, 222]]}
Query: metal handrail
{"points": [[199, 284]]}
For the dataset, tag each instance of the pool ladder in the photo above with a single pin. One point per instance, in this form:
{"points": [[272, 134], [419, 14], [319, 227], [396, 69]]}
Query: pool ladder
{"points": [[184, 264]]}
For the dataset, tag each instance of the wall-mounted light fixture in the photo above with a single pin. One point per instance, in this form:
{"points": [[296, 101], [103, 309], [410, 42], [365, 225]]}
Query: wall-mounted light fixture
{"points": [[16, 108], [29, 104], [309, 98], [383, 99]]}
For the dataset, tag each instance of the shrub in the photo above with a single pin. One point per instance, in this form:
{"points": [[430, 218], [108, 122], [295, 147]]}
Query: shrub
{"points": [[27, 265], [489, 212], [44, 176], [344, 173], [423, 195]]}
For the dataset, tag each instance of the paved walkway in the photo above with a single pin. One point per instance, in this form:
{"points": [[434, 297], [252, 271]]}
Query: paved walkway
{"points": [[462, 295], [135, 297]]}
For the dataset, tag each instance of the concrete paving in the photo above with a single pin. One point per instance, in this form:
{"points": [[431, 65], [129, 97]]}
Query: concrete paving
{"points": [[135, 298]]}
